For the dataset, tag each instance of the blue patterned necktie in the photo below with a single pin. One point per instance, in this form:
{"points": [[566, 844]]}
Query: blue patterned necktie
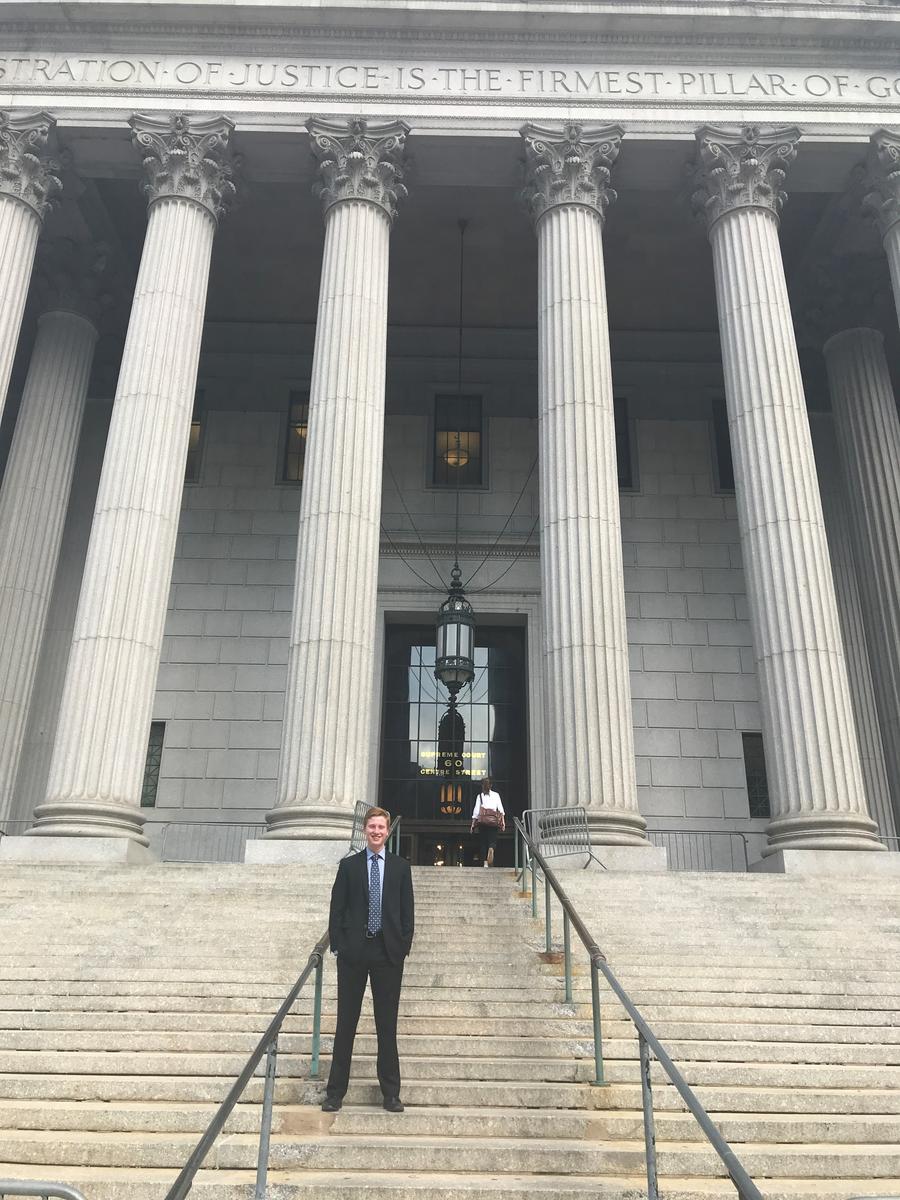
{"points": [[374, 924]]}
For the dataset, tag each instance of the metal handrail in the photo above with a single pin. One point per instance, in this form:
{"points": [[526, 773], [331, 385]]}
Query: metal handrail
{"points": [[18, 1187], [647, 1041], [268, 1045]]}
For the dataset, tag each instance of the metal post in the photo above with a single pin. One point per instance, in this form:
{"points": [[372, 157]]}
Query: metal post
{"points": [[548, 938], [265, 1128], [567, 956], [533, 887], [516, 850], [649, 1131], [317, 1020], [598, 1042]]}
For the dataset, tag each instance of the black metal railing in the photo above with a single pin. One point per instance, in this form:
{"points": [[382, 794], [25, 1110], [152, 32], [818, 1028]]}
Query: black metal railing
{"points": [[18, 1187], [268, 1046], [647, 1040]]}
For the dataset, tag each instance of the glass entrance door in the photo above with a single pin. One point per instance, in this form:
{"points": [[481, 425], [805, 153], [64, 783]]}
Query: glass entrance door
{"points": [[431, 764]]}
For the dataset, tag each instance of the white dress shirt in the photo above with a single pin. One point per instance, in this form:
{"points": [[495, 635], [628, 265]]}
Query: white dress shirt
{"points": [[487, 800]]}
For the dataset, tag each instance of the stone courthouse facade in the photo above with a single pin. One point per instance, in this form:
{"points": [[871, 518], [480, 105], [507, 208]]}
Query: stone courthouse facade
{"points": [[262, 388]]}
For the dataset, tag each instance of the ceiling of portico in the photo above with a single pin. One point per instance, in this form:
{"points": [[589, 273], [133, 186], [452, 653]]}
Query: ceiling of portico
{"points": [[659, 269]]}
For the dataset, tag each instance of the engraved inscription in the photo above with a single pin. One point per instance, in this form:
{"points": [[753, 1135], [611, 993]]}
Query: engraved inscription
{"points": [[144, 75]]}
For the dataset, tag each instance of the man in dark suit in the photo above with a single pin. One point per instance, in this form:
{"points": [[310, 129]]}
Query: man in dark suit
{"points": [[371, 931]]}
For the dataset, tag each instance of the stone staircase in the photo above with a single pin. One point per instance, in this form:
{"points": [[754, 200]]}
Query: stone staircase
{"points": [[130, 998]]}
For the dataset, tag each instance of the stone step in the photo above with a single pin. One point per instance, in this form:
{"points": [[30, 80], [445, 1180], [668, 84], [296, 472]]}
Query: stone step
{"points": [[459, 1155], [146, 1184], [474, 1046], [607, 1126], [160, 1089], [483, 1068], [458, 1019], [373, 1121]]}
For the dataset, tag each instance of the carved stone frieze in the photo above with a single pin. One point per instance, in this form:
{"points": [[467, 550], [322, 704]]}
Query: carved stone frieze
{"points": [[27, 171], [186, 157], [359, 161], [742, 168], [882, 199], [846, 291], [569, 164]]}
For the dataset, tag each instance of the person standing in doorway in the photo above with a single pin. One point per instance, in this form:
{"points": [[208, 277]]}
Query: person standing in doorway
{"points": [[371, 930], [489, 819]]}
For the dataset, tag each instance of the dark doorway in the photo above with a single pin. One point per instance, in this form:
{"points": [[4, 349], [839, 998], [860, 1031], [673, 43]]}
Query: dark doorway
{"points": [[432, 764]]}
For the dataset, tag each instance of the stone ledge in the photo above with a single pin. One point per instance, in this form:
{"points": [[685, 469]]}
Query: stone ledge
{"points": [[110, 851], [828, 862], [639, 860], [275, 851]]}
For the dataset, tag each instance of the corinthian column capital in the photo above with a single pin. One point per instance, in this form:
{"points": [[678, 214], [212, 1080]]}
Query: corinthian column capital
{"points": [[882, 199], [359, 161], [742, 168], [27, 172], [847, 291], [186, 158], [72, 276], [569, 165]]}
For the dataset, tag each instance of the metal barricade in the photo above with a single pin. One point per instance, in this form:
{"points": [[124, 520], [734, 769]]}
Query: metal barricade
{"points": [[703, 849], [559, 831], [19, 1187], [358, 833]]}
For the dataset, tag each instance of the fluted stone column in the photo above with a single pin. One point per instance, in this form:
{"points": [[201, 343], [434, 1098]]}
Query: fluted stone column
{"points": [[817, 792], [28, 184], [97, 767], [868, 437], [588, 699], [883, 199], [328, 719], [30, 787], [38, 480], [853, 631]]}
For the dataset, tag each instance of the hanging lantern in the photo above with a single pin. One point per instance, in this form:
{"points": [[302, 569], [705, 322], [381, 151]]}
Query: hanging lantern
{"points": [[454, 663]]}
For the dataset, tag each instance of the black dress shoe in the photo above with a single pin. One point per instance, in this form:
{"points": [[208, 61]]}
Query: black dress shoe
{"points": [[331, 1104], [393, 1104]]}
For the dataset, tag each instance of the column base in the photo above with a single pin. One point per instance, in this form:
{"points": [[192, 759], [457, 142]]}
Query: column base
{"points": [[89, 819], [828, 862], [309, 823], [617, 827], [259, 851], [822, 831], [105, 851]]}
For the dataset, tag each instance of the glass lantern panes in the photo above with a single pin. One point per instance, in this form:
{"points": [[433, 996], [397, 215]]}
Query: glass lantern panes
{"points": [[457, 441]]}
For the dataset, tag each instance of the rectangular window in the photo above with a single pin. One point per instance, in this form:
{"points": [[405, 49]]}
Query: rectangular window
{"points": [[153, 764], [722, 447], [624, 463], [458, 441], [295, 437], [192, 466], [755, 768]]}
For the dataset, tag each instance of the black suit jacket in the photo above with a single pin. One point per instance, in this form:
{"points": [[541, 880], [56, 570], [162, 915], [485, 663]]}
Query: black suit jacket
{"points": [[350, 907]]}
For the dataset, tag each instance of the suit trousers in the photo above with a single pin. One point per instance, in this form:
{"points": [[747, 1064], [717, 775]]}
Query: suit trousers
{"points": [[385, 978]]}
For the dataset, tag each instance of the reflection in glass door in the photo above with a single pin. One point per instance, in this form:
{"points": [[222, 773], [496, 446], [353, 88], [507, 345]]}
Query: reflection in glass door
{"points": [[431, 763]]}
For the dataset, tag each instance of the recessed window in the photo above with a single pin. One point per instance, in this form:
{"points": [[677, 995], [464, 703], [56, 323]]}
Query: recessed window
{"points": [[192, 466], [755, 769], [295, 437], [722, 447], [153, 764], [624, 458], [458, 441]]}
